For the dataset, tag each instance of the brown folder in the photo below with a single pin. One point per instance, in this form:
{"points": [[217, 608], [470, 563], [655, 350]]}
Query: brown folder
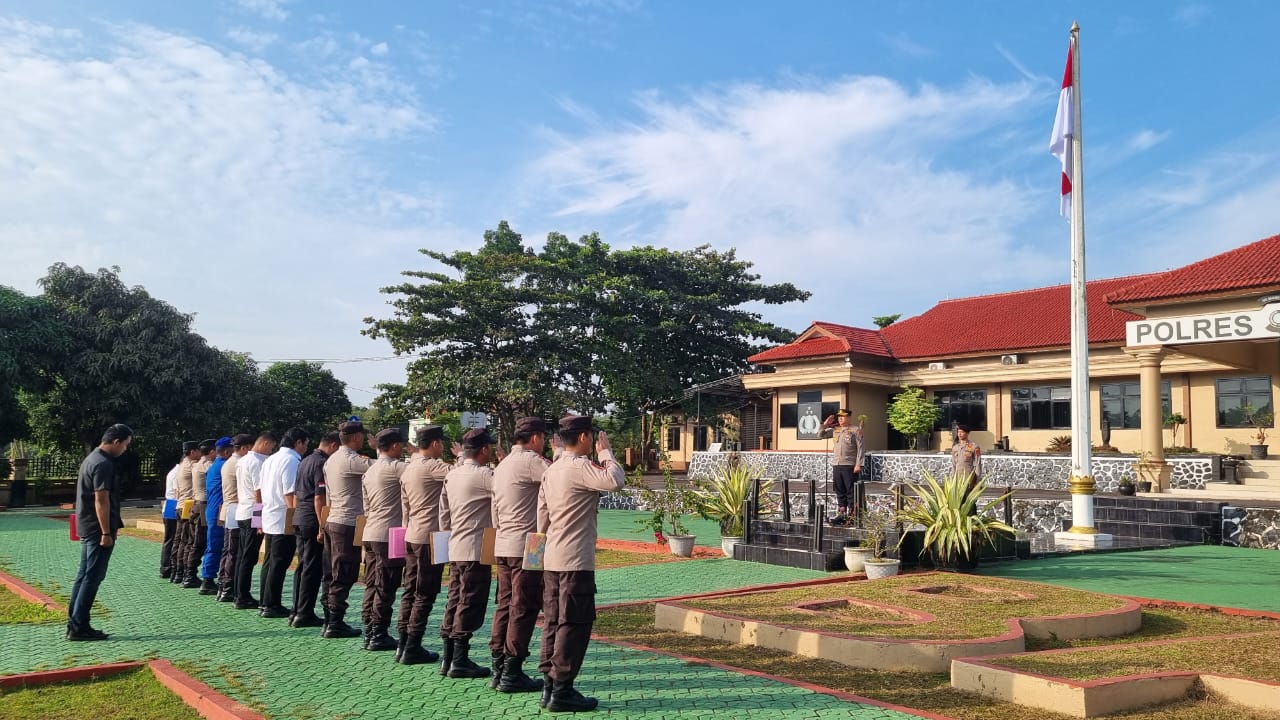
{"points": [[487, 555], [288, 520], [358, 539]]}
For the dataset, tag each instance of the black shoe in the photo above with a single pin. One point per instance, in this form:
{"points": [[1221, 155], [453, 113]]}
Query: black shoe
{"points": [[497, 662], [165, 573], [87, 635], [514, 680], [273, 612], [566, 699], [305, 621], [191, 581], [546, 691], [378, 640], [462, 667], [400, 645], [336, 629], [249, 604], [414, 653], [446, 656], [208, 587]]}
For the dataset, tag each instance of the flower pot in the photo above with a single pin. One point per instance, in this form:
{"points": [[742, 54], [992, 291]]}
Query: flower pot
{"points": [[1144, 486], [855, 558], [727, 542], [1258, 452], [877, 569], [1128, 490], [681, 545]]}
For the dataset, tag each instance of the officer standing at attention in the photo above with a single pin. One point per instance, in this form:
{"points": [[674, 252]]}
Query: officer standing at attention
{"points": [[469, 492], [383, 506], [278, 491], [199, 531], [248, 482], [312, 575], [570, 499], [846, 461], [420, 485], [516, 485], [170, 524], [342, 475], [231, 540], [213, 545], [183, 538]]}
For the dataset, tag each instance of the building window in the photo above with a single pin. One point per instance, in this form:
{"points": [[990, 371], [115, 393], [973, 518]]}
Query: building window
{"points": [[701, 437], [1042, 408], [673, 437], [965, 407], [1238, 396], [1121, 404]]}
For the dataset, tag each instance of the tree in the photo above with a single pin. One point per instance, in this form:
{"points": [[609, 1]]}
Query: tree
{"points": [[305, 395], [32, 341], [912, 414], [886, 320]]}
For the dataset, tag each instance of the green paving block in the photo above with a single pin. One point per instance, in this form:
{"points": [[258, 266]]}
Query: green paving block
{"points": [[296, 674], [621, 525], [1206, 574]]}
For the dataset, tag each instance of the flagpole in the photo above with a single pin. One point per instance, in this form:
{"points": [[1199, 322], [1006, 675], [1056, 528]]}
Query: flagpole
{"points": [[1083, 527]]}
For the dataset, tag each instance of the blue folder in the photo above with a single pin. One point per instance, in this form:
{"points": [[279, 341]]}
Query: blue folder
{"points": [[170, 509]]}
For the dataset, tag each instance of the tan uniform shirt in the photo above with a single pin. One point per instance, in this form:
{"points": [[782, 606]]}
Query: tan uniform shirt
{"points": [[382, 501], [571, 490], [422, 485], [516, 483], [230, 493], [966, 459], [469, 487], [198, 472], [848, 447], [342, 477], [184, 480]]}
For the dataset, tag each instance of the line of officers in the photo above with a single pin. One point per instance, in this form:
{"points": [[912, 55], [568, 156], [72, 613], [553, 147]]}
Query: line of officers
{"points": [[314, 507]]}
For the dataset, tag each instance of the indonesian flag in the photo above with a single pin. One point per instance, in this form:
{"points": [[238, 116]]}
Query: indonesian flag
{"points": [[1064, 128]]}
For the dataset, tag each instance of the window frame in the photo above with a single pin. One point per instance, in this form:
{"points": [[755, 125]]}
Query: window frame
{"points": [[946, 416], [1244, 395], [1166, 402], [1050, 406]]}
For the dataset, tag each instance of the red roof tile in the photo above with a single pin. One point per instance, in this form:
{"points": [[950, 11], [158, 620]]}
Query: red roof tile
{"points": [[1253, 266], [833, 340], [860, 340]]}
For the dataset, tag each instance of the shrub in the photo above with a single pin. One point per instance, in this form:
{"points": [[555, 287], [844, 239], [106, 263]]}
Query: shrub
{"points": [[954, 516], [721, 497], [1059, 443], [912, 414]]}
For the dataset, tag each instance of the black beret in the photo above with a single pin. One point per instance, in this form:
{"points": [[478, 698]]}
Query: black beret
{"points": [[429, 434], [389, 436], [351, 427], [242, 439], [477, 439], [531, 425], [190, 445], [207, 445], [577, 424]]}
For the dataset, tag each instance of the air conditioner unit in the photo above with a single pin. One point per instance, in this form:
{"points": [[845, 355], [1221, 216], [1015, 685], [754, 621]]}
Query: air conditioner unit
{"points": [[937, 366], [1010, 359]]}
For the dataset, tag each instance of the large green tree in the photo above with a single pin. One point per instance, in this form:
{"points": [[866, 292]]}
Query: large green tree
{"points": [[33, 342], [303, 394]]}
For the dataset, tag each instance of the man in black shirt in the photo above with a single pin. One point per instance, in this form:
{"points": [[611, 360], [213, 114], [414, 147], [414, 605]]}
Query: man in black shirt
{"points": [[312, 574], [97, 521]]}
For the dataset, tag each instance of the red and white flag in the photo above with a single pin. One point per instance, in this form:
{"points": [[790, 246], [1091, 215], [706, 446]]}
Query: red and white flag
{"points": [[1064, 129]]}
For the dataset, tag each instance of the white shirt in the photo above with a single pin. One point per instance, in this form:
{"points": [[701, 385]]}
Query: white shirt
{"points": [[279, 477], [248, 477], [171, 484]]}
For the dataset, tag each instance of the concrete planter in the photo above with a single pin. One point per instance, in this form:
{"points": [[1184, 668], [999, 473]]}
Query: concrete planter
{"points": [[681, 545], [1258, 452], [727, 543], [878, 569], [855, 558]]}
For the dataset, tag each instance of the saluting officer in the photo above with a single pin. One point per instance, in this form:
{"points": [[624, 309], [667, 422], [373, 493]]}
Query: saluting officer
{"points": [[342, 475], [846, 461], [469, 492], [199, 530], [183, 539], [231, 494], [421, 486], [382, 511], [570, 499], [516, 484]]}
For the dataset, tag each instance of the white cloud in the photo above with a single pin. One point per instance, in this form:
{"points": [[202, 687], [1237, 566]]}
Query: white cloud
{"points": [[1021, 67], [901, 43], [251, 39], [1146, 139], [269, 9], [380, 49], [1191, 14]]}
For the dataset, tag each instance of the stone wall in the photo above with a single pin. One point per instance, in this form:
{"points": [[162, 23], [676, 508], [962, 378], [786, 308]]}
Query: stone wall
{"points": [[1029, 515], [1251, 527]]}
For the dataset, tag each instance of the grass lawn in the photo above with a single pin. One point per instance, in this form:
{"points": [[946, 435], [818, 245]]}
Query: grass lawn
{"points": [[964, 607], [931, 692], [14, 609], [606, 559], [1252, 657], [135, 695], [1169, 624], [152, 535]]}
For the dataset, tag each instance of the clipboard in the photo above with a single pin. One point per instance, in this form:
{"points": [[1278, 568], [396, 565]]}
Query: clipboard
{"points": [[440, 547], [255, 522], [535, 550], [357, 539], [227, 517], [170, 510], [185, 511], [487, 544], [395, 542], [288, 520]]}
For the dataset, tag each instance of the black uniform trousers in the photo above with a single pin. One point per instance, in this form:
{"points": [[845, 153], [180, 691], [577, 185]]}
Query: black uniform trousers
{"points": [[279, 555], [468, 599], [199, 539], [230, 548], [569, 611], [519, 600], [182, 538], [166, 550], [344, 561], [421, 586], [312, 576], [250, 544], [381, 580], [845, 485]]}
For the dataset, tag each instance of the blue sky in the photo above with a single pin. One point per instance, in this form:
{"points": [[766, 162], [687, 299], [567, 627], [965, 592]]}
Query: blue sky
{"points": [[270, 165]]}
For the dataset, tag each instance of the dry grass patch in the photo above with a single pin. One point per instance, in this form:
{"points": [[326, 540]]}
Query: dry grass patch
{"points": [[606, 559], [135, 694], [1252, 657], [1169, 623], [964, 607]]}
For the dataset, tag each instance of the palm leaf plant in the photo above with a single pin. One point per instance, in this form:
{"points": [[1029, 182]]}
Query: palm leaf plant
{"points": [[954, 515], [722, 496]]}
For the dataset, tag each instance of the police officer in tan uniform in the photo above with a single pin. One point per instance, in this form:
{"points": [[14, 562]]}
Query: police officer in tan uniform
{"points": [[516, 485], [469, 491], [421, 485], [343, 472], [382, 511], [846, 461], [199, 529], [242, 443], [569, 502], [185, 535]]}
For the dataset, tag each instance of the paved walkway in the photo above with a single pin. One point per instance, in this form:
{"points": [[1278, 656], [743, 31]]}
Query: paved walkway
{"points": [[295, 674]]}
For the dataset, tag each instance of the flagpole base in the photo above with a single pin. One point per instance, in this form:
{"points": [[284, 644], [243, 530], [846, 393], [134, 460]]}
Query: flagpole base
{"points": [[1084, 537]]}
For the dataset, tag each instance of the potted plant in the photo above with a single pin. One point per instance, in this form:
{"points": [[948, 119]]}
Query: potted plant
{"points": [[1173, 421], [912, 414], [669, 506], [1126, 485], [721, 498], [856, 555], [955, 519], [1146, 473], [1261, 421], [876, 526]]}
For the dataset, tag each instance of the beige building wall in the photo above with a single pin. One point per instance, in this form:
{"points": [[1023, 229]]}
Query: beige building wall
{"points": [[870, 400]]}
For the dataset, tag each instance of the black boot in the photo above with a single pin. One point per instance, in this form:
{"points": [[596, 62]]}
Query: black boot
{"points": [[377, 638], [337, 628], [495, 667], [546, 690], [414, 653], [462, 667], [565, 699], [514, 680], [192, 581], [400, 645], [207, 587], [446, 656]]}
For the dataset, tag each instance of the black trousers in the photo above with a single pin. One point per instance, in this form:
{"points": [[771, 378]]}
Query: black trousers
{"points": [[519, 600], [279, 555], [250, 544], [468, 599], [182, 538], [421, 586], [569, 611], [198, 541], [344, 559], [312, 576], [381, 580], [845, 483], [230, 548], [166, 550]]}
